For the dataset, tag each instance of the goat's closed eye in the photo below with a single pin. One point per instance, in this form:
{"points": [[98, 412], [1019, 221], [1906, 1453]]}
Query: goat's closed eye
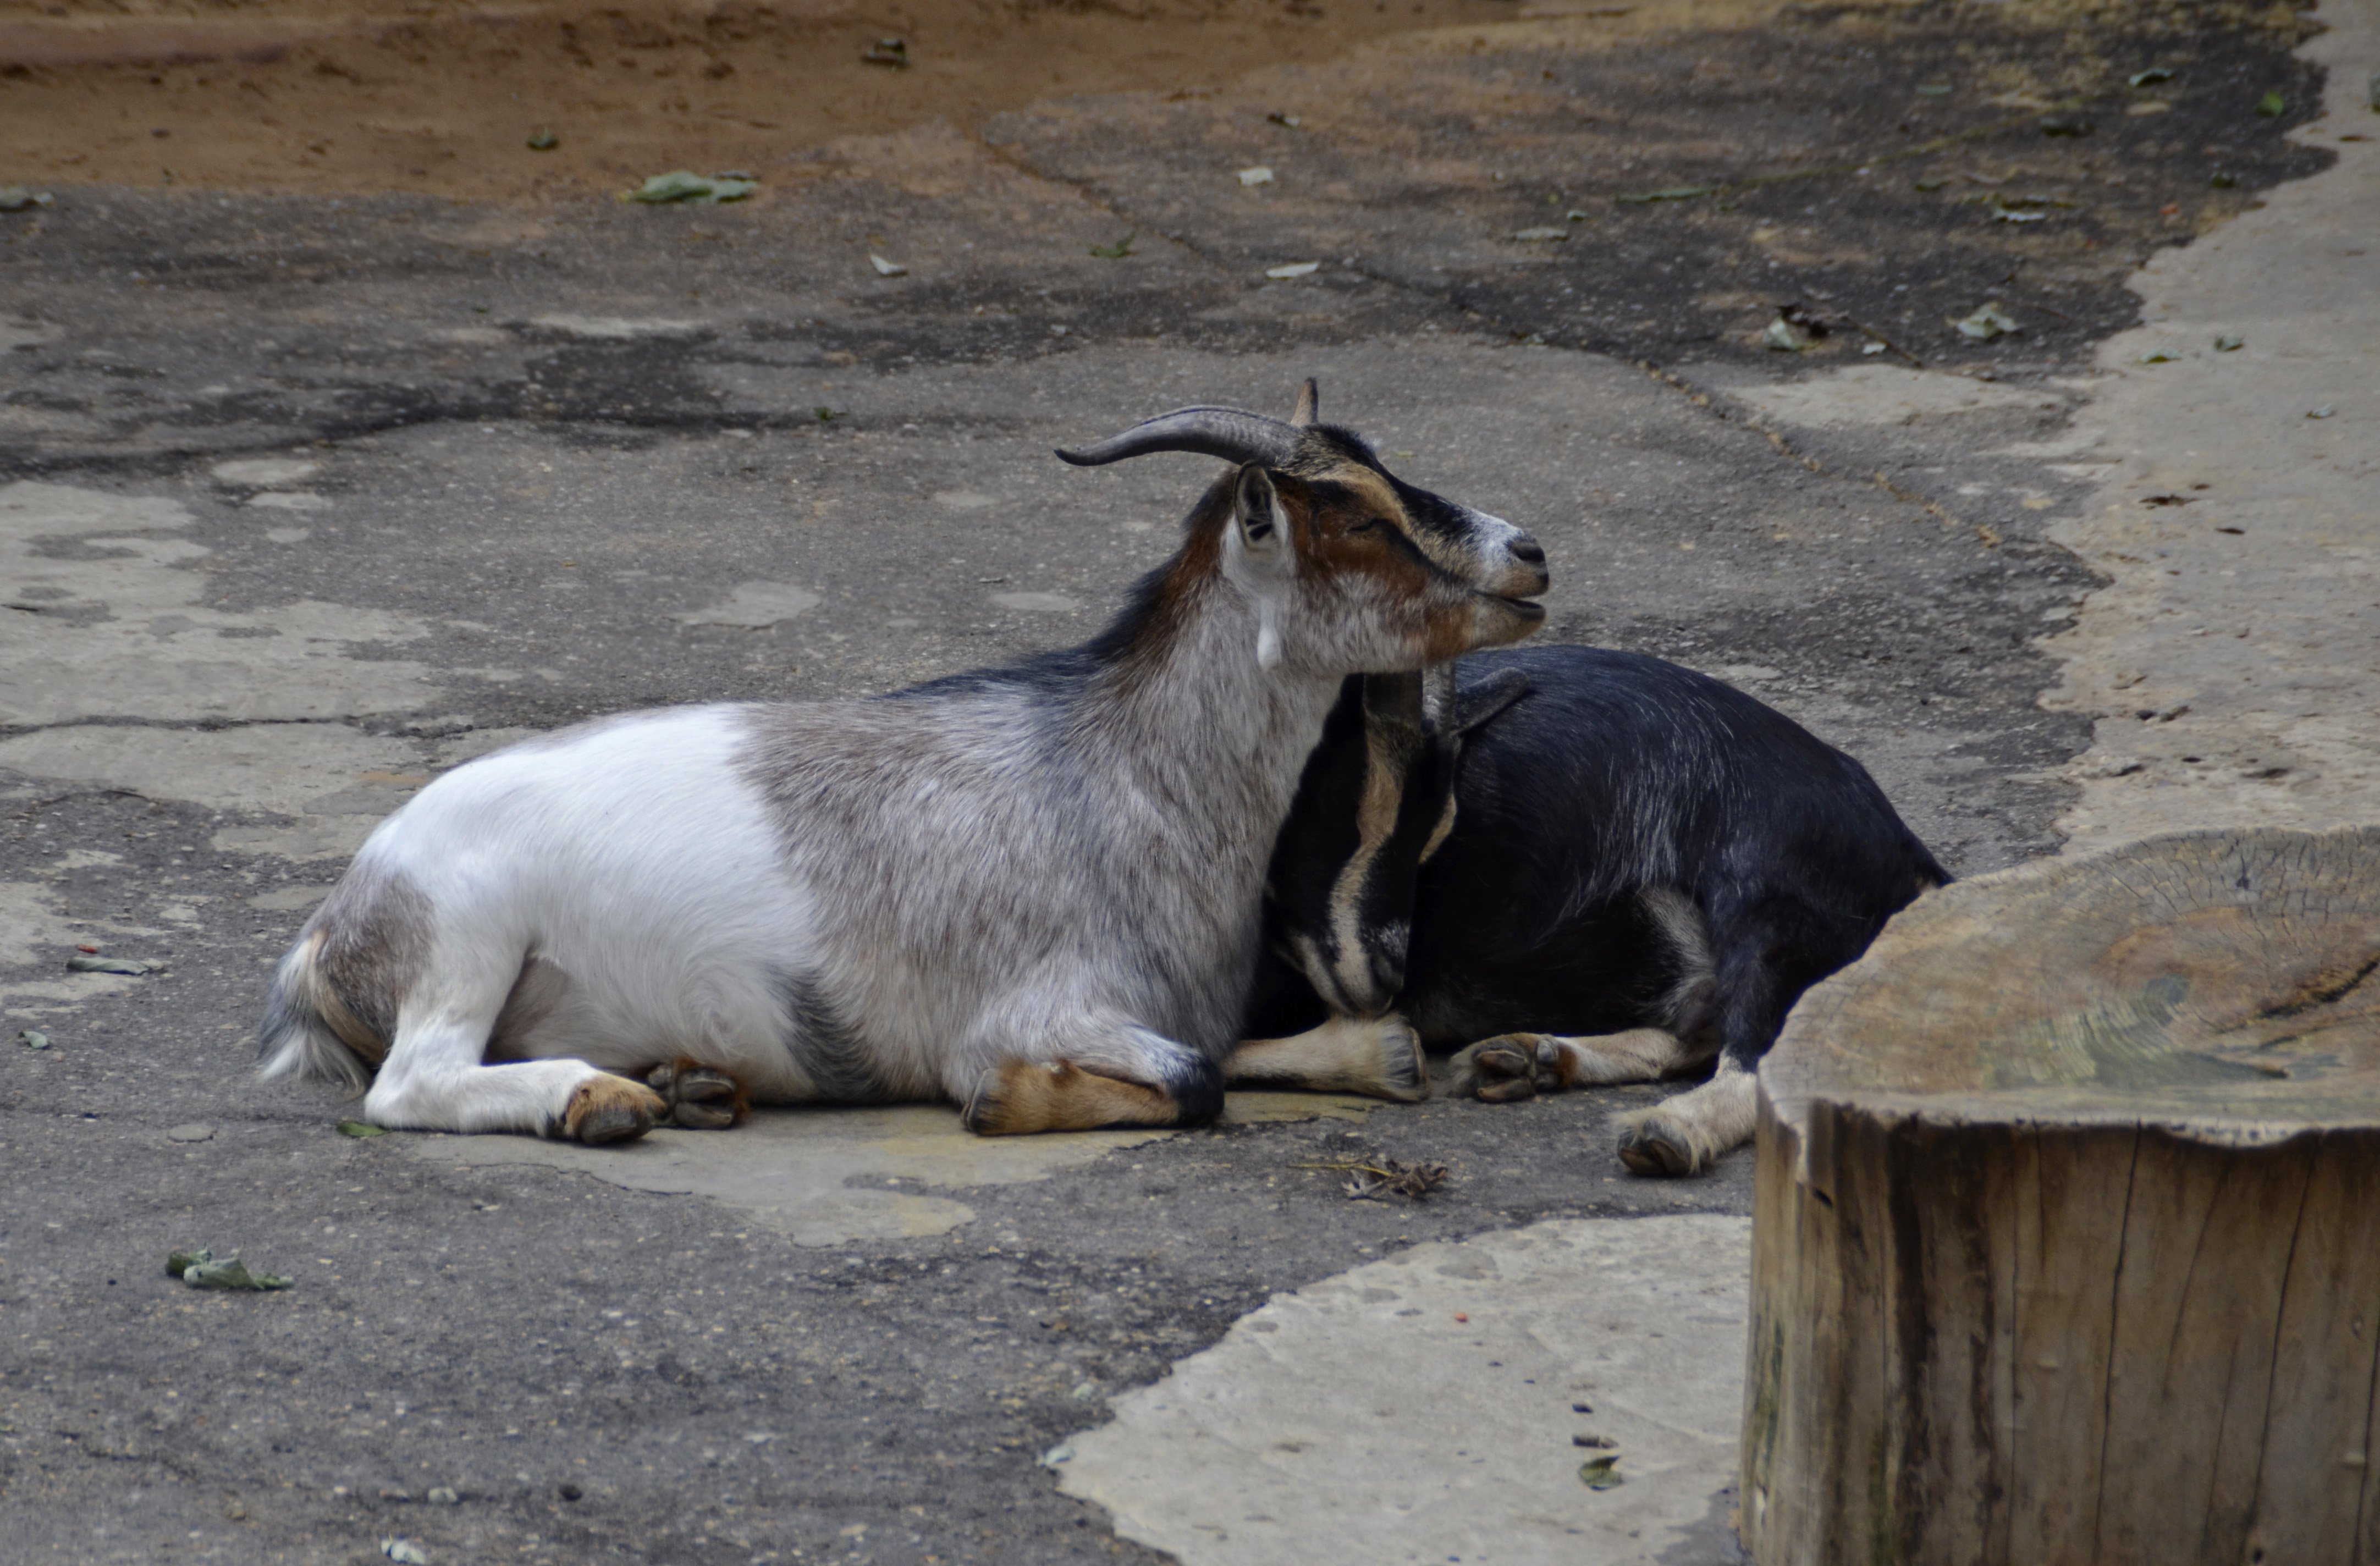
{"points": [[1370, 525]]}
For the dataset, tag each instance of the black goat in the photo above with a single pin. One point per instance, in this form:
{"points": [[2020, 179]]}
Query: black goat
{"points": [[1586, 866]]}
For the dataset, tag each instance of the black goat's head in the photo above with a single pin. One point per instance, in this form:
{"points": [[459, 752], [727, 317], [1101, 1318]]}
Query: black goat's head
{"points": [[1376, 799]]}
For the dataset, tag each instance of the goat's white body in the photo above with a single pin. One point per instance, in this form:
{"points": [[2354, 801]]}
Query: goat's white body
{"points": [[920, 887], [632, 860]]}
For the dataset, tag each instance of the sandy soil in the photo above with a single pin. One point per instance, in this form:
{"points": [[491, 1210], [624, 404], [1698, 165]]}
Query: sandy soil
{"points": [[440, 97]]}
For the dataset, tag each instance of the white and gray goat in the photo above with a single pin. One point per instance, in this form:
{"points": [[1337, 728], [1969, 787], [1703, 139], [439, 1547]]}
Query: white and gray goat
{"points": [[1034, 890]]}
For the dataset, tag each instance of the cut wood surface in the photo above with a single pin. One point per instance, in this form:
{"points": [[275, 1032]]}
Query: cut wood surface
{"points": [[2066, 1230]]}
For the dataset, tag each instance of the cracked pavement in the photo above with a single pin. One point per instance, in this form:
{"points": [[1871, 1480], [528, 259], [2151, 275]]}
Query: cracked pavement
{"points": [[305, 497]]}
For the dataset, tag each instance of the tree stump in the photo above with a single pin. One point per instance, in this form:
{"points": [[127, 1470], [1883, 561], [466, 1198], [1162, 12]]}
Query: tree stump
{"points": [[2066, 1224]]}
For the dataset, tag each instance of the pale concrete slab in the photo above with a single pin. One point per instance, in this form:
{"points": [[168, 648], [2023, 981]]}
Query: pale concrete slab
{"points": [[829, 1175], [121, 631], [2232, 667], [1421, 1409]]}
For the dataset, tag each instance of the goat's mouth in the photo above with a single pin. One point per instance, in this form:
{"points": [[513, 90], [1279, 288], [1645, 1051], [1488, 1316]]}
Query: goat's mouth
{"points": [[1528, 609]]}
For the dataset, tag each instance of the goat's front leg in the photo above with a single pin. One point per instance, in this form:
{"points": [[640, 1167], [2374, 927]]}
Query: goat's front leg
{"points": [[1519, 1065], [1096, 1079], [1687, 1133], [1378, 1056]]}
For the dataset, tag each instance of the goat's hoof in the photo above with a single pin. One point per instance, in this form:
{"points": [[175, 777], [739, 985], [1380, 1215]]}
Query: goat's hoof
{"points": [[1650, 1144], [700, 1098], [611, 1109], [1502, 1069], [1405, 1070], [1508, 1089]]}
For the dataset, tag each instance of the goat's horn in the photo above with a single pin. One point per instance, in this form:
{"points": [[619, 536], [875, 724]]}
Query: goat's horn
{"points": [[1213, 432], [1309, 404]]}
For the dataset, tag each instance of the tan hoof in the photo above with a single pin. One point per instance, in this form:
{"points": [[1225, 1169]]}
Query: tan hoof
{"points": [[1650, 1146], [611, 1109], [1508, 1067]]}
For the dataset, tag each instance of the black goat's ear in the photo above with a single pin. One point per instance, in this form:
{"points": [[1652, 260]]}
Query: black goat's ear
{"points": [[1478, 706], [1309, 405]]}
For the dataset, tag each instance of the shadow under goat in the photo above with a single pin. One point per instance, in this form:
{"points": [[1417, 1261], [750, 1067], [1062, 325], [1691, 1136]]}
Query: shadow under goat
{"points": [[1581, 867]]}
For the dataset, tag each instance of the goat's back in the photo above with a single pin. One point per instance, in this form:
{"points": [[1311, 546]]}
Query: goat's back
{"points": [[1614, 775]]}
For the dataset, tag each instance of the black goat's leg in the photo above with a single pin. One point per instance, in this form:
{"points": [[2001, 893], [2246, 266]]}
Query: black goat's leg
{"points": [[1518, 1065], [1378, 1056], [1687, 1133]]}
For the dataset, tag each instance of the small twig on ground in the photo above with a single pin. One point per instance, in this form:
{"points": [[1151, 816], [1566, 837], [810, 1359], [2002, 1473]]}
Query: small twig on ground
{"points": [[1390, 1175]]}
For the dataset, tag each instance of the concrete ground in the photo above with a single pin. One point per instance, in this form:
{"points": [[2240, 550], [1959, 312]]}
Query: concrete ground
{"points": [[307, 495]]}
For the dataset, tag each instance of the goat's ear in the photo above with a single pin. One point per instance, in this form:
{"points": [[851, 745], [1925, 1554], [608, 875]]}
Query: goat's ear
{"points": [[1309, 404], [1489, 699], [1257, 513]]}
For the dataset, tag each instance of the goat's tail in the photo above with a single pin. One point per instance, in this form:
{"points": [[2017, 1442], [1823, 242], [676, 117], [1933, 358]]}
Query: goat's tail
{"points": [[309, 1031]]}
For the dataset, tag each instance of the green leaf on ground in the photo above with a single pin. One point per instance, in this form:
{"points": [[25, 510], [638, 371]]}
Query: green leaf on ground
{"points": [[202, 1269], [85, 963], [1601, 1472], [543, 141], [2272, 105], [362, 1128], [1986, 322], [1118, 250]]}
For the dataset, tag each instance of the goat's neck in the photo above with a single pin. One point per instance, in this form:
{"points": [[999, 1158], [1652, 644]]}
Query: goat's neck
{"points": [[1203, 734]]}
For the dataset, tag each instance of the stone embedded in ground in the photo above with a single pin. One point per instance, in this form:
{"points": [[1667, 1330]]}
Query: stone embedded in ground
{"points": [[1421, 1409]]}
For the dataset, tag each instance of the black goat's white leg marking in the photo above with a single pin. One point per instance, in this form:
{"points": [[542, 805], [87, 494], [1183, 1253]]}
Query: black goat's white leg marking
{"points": [[1519, 1065], [1687, 1135], [1379, 1057]]}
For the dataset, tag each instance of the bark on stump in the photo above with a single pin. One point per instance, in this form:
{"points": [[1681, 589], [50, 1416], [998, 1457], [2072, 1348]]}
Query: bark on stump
{"points": [[2067, 1233]]}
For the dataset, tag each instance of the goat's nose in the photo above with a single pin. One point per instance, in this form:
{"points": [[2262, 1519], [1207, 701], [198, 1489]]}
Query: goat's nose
{"points": [[1528, 550]]}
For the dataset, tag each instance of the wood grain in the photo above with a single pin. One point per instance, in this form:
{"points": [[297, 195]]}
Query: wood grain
{"points": [[2066, 1240]]}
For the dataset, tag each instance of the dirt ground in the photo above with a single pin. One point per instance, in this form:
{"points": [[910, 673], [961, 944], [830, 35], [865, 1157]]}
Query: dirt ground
{"points": [[440, 98]]}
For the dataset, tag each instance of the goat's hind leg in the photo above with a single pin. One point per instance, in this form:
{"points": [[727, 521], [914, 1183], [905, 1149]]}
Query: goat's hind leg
{"points": [[435, 1077], [1687, 1133], [1519, 1065], [1376, 1056]]}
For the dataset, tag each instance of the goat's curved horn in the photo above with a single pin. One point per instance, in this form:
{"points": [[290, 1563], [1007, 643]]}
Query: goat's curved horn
{"points": [[1309, 404], [1213, 432]]}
